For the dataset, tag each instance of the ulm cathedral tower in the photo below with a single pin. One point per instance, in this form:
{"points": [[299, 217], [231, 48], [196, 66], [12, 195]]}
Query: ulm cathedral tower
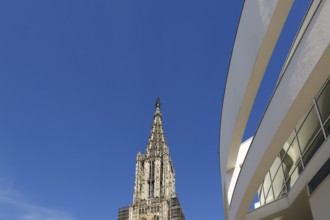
{"points": [[154, 189]]}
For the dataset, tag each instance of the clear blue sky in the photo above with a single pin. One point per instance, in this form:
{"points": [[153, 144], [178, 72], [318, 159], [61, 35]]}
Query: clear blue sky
{"points": [[78, 82]]}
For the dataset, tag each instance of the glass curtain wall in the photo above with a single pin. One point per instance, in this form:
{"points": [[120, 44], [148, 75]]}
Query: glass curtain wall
{"points": [[309, 134]]}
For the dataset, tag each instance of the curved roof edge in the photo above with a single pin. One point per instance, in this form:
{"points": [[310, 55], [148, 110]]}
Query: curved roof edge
{"points": [[259, 28], [304, 76]]}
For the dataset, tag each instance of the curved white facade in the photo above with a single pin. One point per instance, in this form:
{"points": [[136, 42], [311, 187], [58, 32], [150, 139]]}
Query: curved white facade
{"points": [[272, 165]]}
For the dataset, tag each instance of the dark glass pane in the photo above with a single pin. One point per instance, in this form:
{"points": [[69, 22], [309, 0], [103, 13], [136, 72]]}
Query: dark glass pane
{"points": [[308, 129], [314, 146], [327, 128], [319, 176], [300, 167], [323, 102]]}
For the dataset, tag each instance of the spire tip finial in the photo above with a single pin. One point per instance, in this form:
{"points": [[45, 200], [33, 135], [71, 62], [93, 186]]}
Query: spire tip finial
{"points": [[157, 103]]}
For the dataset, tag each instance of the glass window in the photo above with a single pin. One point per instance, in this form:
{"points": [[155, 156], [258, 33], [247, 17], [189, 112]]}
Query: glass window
{"points": [[283, 192], [270, 196], [327, 128], [298, 150], [262, 195], [287, 144], [274, 167], [267, 184], [294, 175], [323, 102], [291, 158], [308, 129], [278, 182], [314, 146], [302, 119], [319, 177]]}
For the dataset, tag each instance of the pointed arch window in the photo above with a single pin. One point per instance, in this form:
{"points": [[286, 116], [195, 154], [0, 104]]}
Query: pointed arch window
{"points": [[151, 178]]}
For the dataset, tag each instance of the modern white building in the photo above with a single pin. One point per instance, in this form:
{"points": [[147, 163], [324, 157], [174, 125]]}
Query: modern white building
{"points": [[282, 171]]}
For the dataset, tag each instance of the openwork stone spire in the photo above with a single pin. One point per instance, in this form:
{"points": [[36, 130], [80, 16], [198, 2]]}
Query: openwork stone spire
{"points": [[154, 195], [156, 143]]}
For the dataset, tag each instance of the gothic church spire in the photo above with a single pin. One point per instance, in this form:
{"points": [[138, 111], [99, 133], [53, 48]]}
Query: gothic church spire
{"points": [[154, 187], [156, 141]]}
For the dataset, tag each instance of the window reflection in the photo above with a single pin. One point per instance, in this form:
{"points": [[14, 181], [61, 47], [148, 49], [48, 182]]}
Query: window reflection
{"points": [[316, 143], [323, 103], [294, 175], [278, 182], [291, 158], [274, 168], [327, 127], [267, 184], [270, 196], [288, 144], [298, 150], [262, 195], [283, 192], [308, 129]]}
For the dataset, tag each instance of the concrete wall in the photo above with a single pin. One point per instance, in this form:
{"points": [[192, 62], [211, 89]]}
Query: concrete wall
{"points": [[320, 200]]}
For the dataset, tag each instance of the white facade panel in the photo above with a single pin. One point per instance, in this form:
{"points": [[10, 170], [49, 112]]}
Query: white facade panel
{"points": [[320, 201]]}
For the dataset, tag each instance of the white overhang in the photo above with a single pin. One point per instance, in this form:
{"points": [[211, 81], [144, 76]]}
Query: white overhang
{"points": [[259, 28]]}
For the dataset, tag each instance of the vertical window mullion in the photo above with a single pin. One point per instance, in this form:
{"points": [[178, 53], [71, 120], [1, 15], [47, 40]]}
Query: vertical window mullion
{"points": [[271, 184], [285, 186], [300, 153], [319, 117]]}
